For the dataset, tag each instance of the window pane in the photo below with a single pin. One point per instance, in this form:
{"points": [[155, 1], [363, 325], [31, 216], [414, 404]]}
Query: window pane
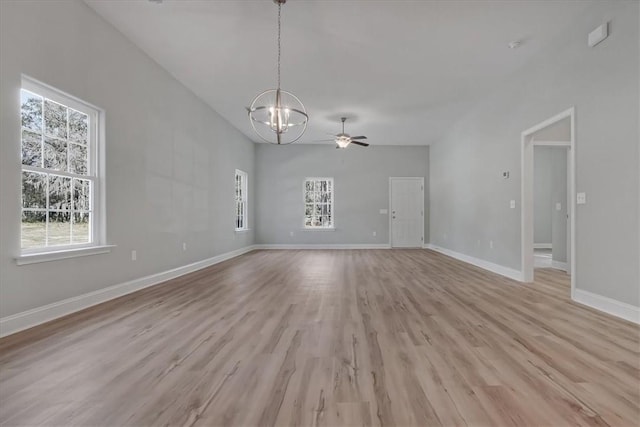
{"points": [[55, 119], [34, 229], [78, 126], [59, 192], [34, 190], [55, 154], [309, 185], [59, 228], [308, 197], [81, 227], [81, 194], [308, 221], [31, 148], [78, 159], [308, 210], [31, 111]]}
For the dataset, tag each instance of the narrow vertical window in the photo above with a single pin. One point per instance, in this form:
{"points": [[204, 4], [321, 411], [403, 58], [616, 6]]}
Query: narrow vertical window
{"points": [[59, 170], [318, 203], [241, 201]]}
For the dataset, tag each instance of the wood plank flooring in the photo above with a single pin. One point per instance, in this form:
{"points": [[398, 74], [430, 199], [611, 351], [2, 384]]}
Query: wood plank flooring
{"points": [[329, 338]]}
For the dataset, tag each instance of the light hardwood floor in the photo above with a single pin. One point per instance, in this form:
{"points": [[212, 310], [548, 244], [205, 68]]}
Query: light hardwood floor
{"points": [[328, 338]]}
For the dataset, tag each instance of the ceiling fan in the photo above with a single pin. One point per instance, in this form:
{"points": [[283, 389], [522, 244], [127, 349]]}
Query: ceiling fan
{"points": [[344, 139]]}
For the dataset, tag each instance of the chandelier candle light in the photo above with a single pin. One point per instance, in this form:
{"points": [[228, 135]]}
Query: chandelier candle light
{"points": [[278, 116]]}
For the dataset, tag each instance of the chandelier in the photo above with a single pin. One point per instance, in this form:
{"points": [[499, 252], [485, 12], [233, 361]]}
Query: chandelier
{"points": [[278, 116]]}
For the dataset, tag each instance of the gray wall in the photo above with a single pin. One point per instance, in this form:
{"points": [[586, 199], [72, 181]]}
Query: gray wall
{"points": [[469, 198], [170, 159], [361, 179], [542, 185]]}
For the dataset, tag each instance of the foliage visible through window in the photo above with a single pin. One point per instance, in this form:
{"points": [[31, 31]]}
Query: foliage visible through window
{"points": [[57, 174], [241, 200], [318, 203]]}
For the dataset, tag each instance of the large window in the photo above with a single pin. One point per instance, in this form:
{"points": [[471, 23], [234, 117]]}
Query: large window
{"points": [[318, 203], [59, 170], [241, 201]]}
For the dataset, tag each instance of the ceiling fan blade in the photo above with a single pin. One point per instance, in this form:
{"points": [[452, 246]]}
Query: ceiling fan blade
{"points": [[359, 137], [364, 144]]}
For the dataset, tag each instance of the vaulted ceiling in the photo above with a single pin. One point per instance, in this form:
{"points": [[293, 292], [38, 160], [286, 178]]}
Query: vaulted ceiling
{"points": [[402, 71]]}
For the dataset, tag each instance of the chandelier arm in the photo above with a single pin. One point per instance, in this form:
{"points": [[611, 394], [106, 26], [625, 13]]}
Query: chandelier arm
{"points": [[275, 116]]}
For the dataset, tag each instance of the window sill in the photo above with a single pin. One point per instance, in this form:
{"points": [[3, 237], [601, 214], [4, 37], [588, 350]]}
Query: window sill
{"points": [[319, 229], [63, 254], [243, 230]]}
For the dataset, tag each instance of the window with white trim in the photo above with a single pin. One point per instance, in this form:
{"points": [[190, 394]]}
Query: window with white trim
{"points": [[241, 201], [318, 203], [59, 170]]}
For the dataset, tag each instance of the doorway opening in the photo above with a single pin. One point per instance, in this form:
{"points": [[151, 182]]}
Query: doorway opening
{"points": [[548, 220]]}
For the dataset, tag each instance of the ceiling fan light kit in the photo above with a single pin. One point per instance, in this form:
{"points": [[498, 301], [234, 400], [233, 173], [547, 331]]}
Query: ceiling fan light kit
{"points": [[343, 140], [278, 116]]}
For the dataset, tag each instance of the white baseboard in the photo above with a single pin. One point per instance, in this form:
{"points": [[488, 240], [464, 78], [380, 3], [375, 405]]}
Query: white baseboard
{"points": [[323, 246], [494, 268], [559, 265], [608, 305], [542, 246], [30, 318]]}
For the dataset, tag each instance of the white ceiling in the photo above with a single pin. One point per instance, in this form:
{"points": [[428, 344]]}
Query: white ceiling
{"points": [[401, 70]]}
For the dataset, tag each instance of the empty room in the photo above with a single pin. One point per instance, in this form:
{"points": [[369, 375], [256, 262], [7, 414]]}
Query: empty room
{"points": [[320, 213]]}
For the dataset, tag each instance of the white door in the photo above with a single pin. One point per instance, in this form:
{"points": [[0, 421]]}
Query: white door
{"points": [[407, 204]]}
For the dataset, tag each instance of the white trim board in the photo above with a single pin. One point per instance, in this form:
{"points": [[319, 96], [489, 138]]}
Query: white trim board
{"points": [[542, 246], [608, 305], [486, 265], [37, 316], [324, 246]]}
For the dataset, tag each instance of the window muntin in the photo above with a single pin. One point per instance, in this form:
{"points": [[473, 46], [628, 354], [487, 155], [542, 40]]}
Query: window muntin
{"points": [[59, 170], [318, 203], [241, 200]]}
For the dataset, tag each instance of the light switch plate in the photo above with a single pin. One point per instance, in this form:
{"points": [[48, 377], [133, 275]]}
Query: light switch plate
{"points": [[383, 212], [512, 204], [558, 206], [581, 198]]}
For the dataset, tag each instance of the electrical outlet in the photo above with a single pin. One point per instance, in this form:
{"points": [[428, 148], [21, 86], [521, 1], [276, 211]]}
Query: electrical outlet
{"points": [[512, 204], [491, 244], [291, 233], [134, 255], [375, 234], [184, 246], [581, 198], [558, 206]]}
